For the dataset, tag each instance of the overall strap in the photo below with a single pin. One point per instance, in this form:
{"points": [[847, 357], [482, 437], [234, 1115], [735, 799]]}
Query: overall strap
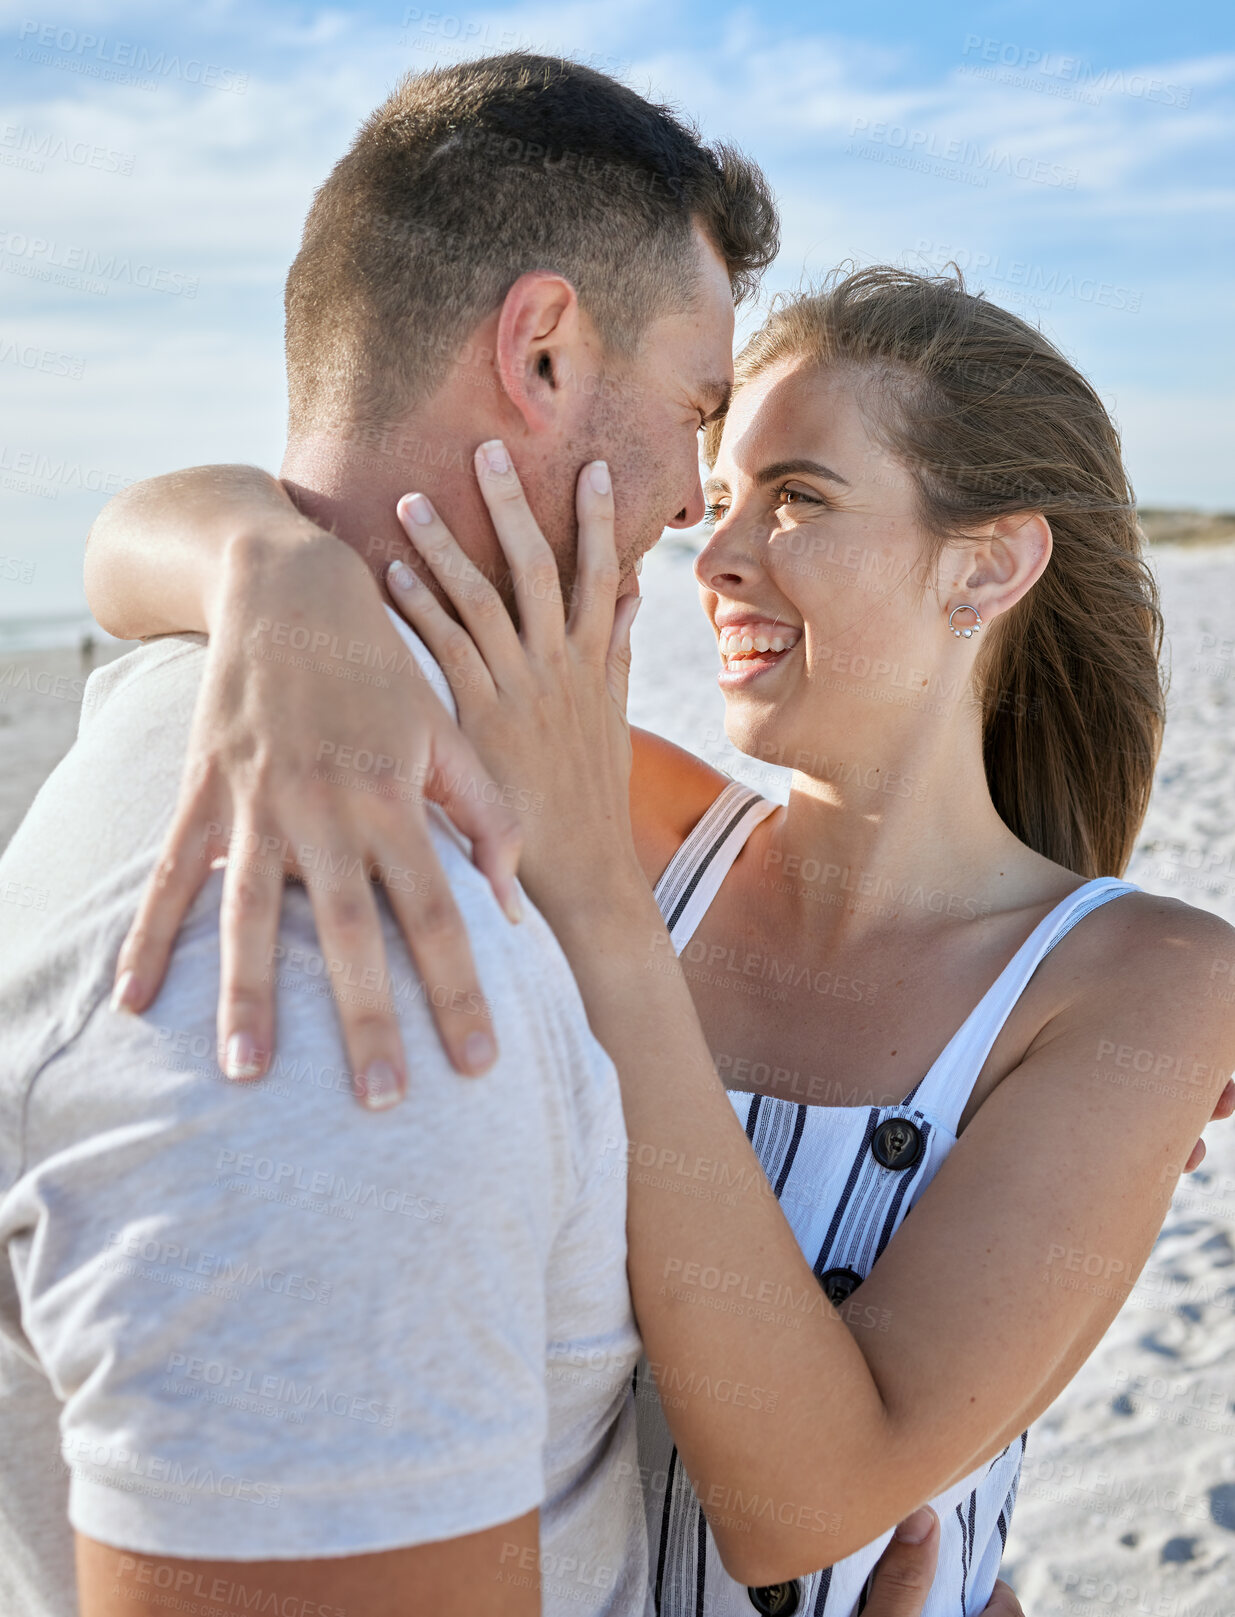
{"points": [[693, 876], [944, 1092]]}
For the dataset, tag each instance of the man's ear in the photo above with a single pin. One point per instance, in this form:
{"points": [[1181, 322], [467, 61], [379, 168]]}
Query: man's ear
{"points": [[540, 346]]}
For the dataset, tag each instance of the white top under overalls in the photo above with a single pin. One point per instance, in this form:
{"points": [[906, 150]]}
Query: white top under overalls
{"points": [[845, 1177]]}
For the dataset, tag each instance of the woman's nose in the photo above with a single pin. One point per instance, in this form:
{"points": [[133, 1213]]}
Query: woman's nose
{"points": [[721, 565]]}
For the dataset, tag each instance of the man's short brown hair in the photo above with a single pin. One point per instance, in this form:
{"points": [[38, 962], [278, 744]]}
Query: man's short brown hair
{"points": [[471, 175]]}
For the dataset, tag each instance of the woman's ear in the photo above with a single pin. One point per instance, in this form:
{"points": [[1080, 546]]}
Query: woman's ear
{"points": [[539, 347], [1006, 562]]}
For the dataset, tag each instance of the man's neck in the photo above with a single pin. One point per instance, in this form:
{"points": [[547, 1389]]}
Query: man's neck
{"points": [[351, 481]]}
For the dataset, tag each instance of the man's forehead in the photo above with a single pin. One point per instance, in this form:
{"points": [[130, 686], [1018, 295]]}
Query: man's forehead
{"points": [[713, 306], [695, 343], [695, 356], [706, 355]]}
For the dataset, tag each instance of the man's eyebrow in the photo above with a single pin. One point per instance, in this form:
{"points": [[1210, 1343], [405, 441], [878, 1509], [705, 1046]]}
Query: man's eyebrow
{"points": [[720, 392], [791, 468]]}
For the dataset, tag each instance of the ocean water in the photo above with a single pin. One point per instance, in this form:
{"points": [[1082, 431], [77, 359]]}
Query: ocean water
{"points": [[49, 631]]}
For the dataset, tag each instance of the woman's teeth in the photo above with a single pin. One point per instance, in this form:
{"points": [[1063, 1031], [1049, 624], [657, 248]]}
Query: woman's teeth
{"points": [[736, 643]]}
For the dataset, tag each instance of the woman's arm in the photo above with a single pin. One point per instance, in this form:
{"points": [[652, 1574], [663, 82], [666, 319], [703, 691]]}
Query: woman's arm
{"points": [[155, 564], [987, 1301], [156, 554], [985, 1304], [223, 549], [219, 549]]}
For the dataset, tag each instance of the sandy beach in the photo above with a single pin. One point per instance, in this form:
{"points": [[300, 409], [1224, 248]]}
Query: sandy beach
{"points": [[1128, 1501]]}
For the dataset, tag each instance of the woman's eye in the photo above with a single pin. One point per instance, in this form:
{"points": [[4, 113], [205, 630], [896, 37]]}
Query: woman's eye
{"points": [[714, 513], [797, 496]]}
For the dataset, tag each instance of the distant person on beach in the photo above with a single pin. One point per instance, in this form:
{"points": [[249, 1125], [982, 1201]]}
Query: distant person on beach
{"points": [[917, 979], [260, 1349]]}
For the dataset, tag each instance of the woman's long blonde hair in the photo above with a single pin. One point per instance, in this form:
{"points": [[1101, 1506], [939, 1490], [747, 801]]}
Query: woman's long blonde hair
{"points": [[992, 420]]}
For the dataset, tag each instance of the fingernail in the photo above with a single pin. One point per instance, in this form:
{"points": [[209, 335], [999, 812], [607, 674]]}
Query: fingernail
{"points": [[379, 1086], [400, 576], [496, 458], [513, 907], [916, 1528], [479, 1051], [419, 509], [598, 476], [243, 1058], [124, 994]]}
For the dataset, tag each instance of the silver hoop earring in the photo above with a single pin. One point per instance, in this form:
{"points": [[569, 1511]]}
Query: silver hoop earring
{"points": [[974, 627]]}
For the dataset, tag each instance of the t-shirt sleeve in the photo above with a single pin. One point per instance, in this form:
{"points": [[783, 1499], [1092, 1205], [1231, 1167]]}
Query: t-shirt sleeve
{"points": [[281, 1326]]}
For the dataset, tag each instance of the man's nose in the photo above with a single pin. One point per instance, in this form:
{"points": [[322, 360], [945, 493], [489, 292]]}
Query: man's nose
{"points": [[691, 513]]}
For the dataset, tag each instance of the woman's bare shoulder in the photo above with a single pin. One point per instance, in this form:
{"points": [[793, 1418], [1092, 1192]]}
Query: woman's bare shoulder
{"points": [[1174, 962], [1150, 928], [669, 791]]}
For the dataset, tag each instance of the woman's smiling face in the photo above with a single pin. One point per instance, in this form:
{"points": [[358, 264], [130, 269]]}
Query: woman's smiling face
{"points": [[812, 576]]}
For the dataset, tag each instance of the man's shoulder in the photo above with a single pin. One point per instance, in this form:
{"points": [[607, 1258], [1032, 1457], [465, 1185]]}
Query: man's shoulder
{"points": [[170, 660], [222, 1243], [87, 847], [108, 797], [550, 1067], [80, 856]]}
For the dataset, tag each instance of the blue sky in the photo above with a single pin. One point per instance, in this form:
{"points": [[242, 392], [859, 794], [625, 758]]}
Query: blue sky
{"points": [[156, 164]]}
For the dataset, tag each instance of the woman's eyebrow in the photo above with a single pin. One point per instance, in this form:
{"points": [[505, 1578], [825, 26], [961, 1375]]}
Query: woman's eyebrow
{"points": [[791, 468]]}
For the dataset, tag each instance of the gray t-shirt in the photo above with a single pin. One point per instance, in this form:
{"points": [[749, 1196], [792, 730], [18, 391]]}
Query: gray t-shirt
{"points": [[253, 1322]]}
